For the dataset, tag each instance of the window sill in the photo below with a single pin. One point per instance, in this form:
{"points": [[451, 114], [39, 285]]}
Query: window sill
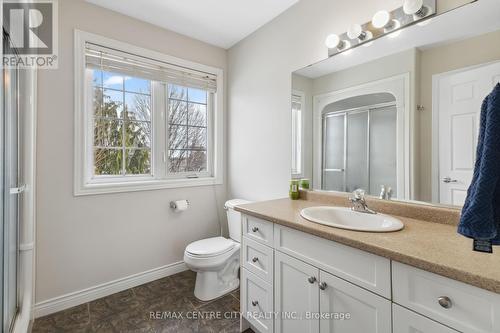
{"points": [[142, 185]]}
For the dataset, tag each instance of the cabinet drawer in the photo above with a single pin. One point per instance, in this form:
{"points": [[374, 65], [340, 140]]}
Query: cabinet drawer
{"points": [[257, 301], [258, 230], [361, 268], [464, 307], [258, 259], [406, 321]]}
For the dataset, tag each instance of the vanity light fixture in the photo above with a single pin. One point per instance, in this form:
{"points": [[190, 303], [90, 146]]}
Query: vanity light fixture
{"points": [[383, 23], [356, 32], [333, 41], [416, 8], [383, 20]]}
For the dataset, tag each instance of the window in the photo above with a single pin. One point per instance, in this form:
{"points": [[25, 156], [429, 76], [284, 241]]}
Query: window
{"points": [[297, 158], [188, 114], [122, 124], [144, 120]]}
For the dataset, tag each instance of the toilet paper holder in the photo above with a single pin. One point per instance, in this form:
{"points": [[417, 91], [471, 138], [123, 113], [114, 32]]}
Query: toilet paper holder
{"points": [[173, 204]]}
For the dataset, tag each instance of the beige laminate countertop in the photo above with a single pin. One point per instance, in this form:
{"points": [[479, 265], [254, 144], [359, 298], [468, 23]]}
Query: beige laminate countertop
{"points": [[434, 247]]}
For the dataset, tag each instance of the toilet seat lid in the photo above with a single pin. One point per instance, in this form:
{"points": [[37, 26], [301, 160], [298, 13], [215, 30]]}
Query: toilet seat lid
{"points": [[210, 246]]}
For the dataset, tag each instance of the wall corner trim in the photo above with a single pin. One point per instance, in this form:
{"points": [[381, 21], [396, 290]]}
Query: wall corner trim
{"points": [[66, 301]]}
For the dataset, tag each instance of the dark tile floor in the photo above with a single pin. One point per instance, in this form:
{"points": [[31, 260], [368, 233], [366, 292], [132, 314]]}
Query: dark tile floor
{"points": [[147, 308]]}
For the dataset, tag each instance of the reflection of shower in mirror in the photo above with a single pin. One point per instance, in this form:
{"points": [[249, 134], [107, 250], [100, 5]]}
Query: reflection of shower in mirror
{"points": [[359, 144]]}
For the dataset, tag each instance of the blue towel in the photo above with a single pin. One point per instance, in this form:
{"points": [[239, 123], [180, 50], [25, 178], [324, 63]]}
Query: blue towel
{"points": [[481, 212]]}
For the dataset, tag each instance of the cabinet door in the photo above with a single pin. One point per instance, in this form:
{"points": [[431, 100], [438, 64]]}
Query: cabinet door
{"points": [[346, 308], [296, 295], [406, 321]]}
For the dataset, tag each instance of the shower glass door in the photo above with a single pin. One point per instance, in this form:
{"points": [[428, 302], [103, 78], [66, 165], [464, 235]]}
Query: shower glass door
{"points": [[9, 205], [334, 147], [360, 149], [357, 165]]}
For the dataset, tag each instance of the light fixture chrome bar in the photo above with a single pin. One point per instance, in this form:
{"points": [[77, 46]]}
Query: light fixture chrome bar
{"points": [[398, 15]]}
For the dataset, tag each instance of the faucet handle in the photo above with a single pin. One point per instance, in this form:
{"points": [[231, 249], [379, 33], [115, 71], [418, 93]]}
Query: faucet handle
{"points": [[359, 194]]}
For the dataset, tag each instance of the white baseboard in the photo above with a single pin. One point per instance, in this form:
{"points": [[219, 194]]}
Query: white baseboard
{"points": [[86, 295]]}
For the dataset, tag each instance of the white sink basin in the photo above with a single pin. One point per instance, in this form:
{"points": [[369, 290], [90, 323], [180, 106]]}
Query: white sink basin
{"points": [[345, 218]]}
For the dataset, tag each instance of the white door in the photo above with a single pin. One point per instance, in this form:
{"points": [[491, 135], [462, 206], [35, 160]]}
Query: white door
{"points": [[460, 97], [296, 295], [406, 321], [351, 309]]}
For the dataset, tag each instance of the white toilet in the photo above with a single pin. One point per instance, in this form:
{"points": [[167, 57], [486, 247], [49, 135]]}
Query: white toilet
{"points": [[217, 260]]}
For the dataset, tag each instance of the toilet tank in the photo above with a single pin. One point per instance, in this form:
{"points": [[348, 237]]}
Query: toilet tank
{"points": [[234, 218]]}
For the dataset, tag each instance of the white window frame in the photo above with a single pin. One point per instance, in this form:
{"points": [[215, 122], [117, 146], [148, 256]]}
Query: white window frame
{"points": [[85, 184], [302, 96]]}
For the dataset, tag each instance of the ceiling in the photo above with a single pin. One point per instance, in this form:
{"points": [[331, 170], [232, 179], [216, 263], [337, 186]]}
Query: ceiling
{"points": [[218, 22]]}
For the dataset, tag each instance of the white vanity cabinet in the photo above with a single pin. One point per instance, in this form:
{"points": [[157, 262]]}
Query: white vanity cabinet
{"points": [[292, 281]]}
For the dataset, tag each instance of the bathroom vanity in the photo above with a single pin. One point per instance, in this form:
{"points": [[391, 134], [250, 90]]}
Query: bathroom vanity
{"points": [[299, 276], [395, 117]]}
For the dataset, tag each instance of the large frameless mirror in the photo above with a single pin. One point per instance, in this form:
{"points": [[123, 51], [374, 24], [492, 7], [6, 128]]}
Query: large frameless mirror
{"points": [[399, 117]]}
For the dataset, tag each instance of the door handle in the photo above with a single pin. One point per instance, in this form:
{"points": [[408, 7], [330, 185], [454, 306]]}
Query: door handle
{"points": [[17, 190], [448, 180]]}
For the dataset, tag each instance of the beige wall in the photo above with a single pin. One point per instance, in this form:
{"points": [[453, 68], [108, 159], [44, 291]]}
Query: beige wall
{"points": [[469, 52], [90, 240], [395, 64], [446, 5]]}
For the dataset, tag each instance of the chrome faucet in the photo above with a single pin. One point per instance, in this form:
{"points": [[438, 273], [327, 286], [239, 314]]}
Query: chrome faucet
{"points": [[359, 203]]}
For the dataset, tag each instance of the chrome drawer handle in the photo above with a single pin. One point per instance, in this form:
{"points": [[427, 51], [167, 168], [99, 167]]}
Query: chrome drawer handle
{"points": [[255, 303], [255, 259], [448, 180], [323, 285], [445, 302], [311, 279], [255, 229]]}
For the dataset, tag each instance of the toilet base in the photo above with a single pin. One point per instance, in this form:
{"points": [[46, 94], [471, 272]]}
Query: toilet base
{"points": [[209, 286]]}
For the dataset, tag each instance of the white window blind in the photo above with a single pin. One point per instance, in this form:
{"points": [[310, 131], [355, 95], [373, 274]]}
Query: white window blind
{"points": [[297, 135], [107, 59]]}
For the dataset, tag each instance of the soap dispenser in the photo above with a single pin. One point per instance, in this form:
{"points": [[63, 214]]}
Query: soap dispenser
{"points": [[383, 193]]}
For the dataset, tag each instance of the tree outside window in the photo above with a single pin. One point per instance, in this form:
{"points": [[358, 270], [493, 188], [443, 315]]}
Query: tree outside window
{"points": [[122, 125], [187, 129]]}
